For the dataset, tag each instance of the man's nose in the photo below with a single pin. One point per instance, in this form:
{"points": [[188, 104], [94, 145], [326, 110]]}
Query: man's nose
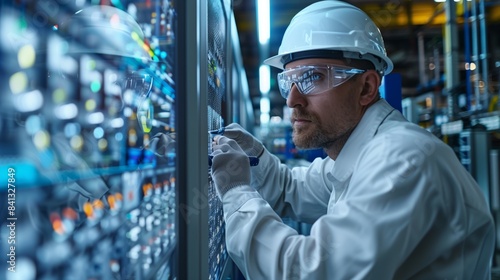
{"points": [[295, 98]]}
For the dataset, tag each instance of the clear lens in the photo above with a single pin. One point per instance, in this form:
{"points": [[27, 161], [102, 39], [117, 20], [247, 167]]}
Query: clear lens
{"points": [[314, 79]]}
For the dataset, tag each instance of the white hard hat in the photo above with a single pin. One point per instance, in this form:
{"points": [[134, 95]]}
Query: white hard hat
{"points": [[332, 29]]}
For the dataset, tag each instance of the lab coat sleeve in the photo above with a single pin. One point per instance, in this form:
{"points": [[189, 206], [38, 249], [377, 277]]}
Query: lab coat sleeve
{"points": [[300, 193], [390, 203]]}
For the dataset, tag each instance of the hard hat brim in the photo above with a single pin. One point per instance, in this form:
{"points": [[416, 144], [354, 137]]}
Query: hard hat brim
{"points": [[279, 61]]}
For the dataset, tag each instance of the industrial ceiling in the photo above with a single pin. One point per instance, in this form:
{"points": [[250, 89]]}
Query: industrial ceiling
{"points": [[400, 21]]}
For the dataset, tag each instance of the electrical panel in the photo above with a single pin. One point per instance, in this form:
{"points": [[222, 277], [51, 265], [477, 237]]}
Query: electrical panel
{"points": [[87, 144], [103, 173]]}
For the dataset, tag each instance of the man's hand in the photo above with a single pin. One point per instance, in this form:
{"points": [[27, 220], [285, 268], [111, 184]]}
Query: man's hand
{"points": [[230, 165], [245, 140]]}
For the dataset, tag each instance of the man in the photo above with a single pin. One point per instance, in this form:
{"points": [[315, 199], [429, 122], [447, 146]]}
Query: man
{"points": [[391, 201]]}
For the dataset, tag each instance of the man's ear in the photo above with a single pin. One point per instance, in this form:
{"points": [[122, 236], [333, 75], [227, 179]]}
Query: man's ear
{"points": [[371, 82]]}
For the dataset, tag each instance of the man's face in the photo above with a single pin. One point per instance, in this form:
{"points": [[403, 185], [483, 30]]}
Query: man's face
{"points": [[320, 120]]}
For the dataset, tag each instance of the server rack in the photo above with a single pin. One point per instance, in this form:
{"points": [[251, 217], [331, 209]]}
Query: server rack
{"points": [[104, 137], [88, 188]]}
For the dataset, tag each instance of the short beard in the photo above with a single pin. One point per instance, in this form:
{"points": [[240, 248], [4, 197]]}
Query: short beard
{"points": [[327, 138], [314, 140], [303, 139]]}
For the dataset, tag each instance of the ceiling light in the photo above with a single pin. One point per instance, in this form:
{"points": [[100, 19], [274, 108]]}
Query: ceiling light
{"points": [[264, 21]]}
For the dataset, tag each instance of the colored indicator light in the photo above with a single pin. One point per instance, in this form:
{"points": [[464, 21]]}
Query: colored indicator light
{"points": [[57, 224], [132, 137], [33, 124], [119, 196], [18, 82], [102, 144], [98, 204], [88, 210], [26, 56], [95, 86], [76, 142], [58, 227], [41, 139], [114, 266], [90, 105], [146, 189], [111, 202]]}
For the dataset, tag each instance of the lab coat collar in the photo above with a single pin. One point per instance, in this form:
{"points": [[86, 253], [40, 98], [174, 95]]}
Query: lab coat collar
{"points": [[362, 134]]}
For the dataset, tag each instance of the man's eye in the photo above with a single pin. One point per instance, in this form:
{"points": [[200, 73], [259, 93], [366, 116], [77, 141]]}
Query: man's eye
{"points": [[312, 76], [316, 76]]}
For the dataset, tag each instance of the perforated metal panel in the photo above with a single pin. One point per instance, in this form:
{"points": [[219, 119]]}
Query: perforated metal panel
{"points": [[217, 67]]}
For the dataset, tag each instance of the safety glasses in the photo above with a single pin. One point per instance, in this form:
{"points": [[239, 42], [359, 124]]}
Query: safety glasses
{"points": [[314, 79]]}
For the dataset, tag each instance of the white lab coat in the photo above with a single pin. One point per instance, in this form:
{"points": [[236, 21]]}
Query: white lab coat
{"points": [[396, 204]]}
